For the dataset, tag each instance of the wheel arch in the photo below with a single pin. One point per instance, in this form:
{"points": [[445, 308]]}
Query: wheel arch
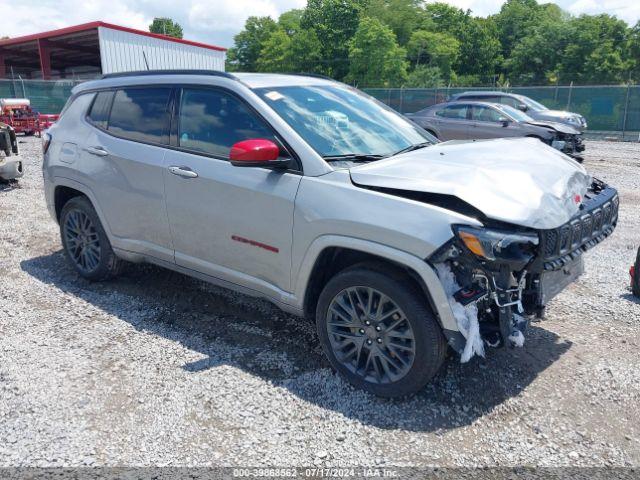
{"points": [[65, 189], [331, 254]]}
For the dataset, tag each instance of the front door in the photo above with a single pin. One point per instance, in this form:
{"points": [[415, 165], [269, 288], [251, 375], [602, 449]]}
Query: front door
{"points": [[234, 223], [487, 122]]}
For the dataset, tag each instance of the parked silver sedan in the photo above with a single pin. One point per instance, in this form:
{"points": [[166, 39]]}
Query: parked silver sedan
{"points": [[479, 120]]}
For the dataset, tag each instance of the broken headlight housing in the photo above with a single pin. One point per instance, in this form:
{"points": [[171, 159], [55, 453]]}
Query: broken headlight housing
{"points": [[496, 245]]}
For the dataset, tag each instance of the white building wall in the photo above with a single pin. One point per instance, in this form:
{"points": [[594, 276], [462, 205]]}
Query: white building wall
{"points": [[123, 52]]}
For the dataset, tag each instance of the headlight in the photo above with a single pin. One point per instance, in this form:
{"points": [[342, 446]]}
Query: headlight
{"points": [[495, 244], [574, 120]]}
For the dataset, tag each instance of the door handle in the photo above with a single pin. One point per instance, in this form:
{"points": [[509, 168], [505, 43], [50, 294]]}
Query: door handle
{"points": [[185, 172], [98, 151]]}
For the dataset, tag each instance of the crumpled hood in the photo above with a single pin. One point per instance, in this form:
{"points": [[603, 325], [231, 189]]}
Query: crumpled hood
{"points": [[558, 127], [521, 180]]}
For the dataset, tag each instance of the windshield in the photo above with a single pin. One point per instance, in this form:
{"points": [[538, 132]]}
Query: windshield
{"points": [[338, 120], [532, 104], [516, 114]]}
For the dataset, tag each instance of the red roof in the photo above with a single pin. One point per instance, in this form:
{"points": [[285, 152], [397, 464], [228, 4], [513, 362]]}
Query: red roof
{"points": [[93, 25]]}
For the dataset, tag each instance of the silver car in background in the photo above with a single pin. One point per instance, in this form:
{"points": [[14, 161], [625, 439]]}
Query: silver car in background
{"points": [[534, 109], [313, 195], [480, 120]]}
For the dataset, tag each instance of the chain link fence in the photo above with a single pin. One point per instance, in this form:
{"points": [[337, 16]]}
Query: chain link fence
{"points": [[46, 96], [611, 111]]}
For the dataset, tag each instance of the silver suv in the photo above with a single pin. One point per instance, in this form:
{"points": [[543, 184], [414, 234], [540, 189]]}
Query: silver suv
{"points": [[313, 195]]}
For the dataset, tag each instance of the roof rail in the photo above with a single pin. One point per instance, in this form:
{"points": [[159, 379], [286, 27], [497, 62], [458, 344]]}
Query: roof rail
{"points": [[215, 73]]}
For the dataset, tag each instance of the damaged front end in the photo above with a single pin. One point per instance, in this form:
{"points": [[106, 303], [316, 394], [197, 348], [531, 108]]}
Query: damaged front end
{"points": [[569, 144], [501, 276]]}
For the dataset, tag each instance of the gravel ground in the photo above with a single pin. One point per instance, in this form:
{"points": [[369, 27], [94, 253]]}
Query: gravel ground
{"points": [[155, 368]]}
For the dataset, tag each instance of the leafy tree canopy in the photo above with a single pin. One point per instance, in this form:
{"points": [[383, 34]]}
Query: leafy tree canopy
{"points": [[411, 42], [166, 26]]}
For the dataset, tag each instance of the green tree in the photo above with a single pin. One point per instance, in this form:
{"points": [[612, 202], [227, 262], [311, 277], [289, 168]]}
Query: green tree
{"points": [[248, 44], [534, 57], [480, 49], [445, 18], [376, 59], [402, 16], [335, 23], [290, 21], [166, 26], [434, 49], [424, 76], [275, 55], [515, 20], [290, 48], [306, 52], [634, 50], [598, 50]]}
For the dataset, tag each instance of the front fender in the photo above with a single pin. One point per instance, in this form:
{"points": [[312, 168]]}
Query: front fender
{"points": [[424, 270]]}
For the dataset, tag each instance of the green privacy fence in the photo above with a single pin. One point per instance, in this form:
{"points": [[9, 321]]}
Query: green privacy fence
{"points": [[609, 110], [46, 96]]}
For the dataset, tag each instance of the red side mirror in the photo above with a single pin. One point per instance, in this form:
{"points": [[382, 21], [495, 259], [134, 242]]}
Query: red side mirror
{"points": [[254, 151]]}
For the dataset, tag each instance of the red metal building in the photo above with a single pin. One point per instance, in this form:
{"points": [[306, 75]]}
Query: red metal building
{"points": [[90, 49]]}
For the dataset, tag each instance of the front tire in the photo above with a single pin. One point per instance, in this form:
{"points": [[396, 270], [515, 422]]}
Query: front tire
{"points": [[378, 332], [85, 242]]}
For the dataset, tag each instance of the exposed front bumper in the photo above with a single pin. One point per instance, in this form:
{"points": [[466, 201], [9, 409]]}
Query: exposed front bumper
{"points": [[571, 145], [504, 293]]}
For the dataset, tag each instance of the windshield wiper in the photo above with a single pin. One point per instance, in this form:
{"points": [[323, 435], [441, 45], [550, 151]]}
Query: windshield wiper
{"points": [[413, 147], [353, 157]]}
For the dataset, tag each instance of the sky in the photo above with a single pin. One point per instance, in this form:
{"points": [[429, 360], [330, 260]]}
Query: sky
{"points": [[217, 21]]}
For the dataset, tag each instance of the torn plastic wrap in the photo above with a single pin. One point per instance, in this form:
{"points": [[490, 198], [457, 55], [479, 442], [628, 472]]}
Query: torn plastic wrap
{"points": [[517, 337], [466, 317]]}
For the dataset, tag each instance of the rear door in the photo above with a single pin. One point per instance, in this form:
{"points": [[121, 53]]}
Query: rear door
{"points": [[122, 159], [233, 223], [452, 122]]}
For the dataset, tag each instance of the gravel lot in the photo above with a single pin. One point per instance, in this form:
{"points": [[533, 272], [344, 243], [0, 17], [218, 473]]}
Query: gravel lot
{"points": [[155, 368]]}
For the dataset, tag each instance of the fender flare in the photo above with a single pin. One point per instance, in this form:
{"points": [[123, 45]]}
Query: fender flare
{"points": [[86, 191], [421, 267]]}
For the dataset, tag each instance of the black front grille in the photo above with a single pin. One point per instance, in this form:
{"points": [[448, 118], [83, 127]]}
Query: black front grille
{"points": [[594, 222]]}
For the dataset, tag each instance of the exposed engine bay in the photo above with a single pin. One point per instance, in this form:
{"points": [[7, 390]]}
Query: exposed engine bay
{"points": [[500, 277]]}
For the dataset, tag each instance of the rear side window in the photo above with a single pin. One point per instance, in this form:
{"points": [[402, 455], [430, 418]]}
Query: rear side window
{"points": [[141, 114], [458, 112], [99, 114], [211, 121]]}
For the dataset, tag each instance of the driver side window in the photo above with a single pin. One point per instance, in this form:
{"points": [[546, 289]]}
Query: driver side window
{"points": [[485, 114], [512, 102], [211, 121]]}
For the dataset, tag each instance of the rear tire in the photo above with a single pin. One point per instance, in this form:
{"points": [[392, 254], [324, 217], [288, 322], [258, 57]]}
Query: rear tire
{"points": [[85, 242], [394, 354]]}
